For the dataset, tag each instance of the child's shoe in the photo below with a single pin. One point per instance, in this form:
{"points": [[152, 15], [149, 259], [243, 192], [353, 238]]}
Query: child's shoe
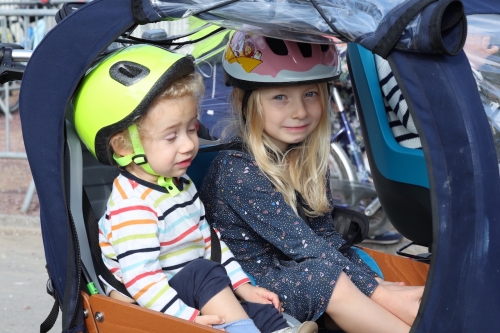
{"points": [[305, 327]]}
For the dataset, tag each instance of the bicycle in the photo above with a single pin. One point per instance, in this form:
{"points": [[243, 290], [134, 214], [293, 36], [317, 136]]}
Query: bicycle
{"points": [[350, 179]]}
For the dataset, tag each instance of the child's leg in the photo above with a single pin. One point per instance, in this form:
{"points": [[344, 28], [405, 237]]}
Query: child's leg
{"points": [[204, 285], [354, 312], [265, 316]]}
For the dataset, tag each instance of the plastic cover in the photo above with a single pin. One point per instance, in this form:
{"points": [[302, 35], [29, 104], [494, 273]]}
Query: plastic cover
{"points": [[435, 26], [482, 49]]}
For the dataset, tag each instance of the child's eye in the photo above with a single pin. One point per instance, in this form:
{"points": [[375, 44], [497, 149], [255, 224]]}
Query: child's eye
{"points": [[279, 97], [311, 94], [171, 137], [192, 129]]}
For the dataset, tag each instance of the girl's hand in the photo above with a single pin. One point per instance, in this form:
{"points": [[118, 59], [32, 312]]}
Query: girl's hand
{"points": [[402, 301], [249, 293], [209, 320], [388, 283]]}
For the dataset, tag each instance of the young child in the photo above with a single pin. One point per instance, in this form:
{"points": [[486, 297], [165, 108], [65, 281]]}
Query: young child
{"points": [[262, 191], [138, 109]]}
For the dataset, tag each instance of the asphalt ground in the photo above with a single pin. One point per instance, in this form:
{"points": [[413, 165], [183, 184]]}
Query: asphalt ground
{"points": [[24, 304]]}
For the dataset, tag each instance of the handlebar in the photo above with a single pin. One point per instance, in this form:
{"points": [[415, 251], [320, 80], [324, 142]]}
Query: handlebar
{"points": [[12, 65], [21, 55]]}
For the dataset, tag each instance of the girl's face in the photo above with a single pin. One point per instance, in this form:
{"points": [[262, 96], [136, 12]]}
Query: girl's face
{"points": [[291, 114]]}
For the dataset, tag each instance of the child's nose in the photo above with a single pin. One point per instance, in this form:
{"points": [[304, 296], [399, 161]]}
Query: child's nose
{"points": [[187, 145], [299, 110]]}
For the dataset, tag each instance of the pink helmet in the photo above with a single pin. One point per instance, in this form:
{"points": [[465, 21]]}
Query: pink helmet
{"points": [[254, 61]]}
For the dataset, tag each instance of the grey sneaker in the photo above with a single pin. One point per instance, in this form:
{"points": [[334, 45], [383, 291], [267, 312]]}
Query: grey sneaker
{"points": [[305, 327]]}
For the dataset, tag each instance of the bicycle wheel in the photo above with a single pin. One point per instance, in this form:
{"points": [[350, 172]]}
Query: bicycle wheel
{"points": [[13, 97], [347, 191], [340, 165]]}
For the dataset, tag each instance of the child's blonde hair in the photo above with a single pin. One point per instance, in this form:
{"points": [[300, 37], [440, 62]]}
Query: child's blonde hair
{"points": [[190, 85], [303, 167]]}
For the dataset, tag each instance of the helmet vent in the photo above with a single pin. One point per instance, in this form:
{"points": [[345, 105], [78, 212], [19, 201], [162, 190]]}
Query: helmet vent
{"points": [[324, 47], [278, 46], [305, 49], [128, 73]]}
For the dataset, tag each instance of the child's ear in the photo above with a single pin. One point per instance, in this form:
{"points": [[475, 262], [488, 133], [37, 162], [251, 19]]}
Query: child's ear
{"points": [[120, 145]]}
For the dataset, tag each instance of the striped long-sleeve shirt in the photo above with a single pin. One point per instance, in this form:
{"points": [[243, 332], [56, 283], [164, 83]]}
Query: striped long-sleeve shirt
{"points": [[147, 235]]}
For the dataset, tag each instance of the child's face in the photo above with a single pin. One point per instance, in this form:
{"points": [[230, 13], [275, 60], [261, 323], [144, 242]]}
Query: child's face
{"points": [[291, 114], [169, 137]]}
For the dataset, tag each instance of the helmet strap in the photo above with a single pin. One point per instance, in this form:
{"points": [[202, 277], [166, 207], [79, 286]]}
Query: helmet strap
{"points": [[139, 158]]}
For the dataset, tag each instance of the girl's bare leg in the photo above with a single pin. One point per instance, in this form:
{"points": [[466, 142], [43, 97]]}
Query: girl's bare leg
{"points": [[225, 305], [354, 312]]}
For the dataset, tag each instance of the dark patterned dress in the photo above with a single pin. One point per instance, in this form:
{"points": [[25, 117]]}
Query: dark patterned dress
{"points": [[299, 261]]}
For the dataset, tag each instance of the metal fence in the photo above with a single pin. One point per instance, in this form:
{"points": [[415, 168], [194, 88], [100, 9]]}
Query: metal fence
{"points": [[26, 23]]}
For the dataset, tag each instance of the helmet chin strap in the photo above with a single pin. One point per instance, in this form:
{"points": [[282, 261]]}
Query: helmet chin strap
{"points": [[139, 158]]}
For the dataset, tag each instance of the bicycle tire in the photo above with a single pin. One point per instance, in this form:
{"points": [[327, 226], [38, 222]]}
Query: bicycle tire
{"points": [[342, 169], [340, 165], [13, 100]]}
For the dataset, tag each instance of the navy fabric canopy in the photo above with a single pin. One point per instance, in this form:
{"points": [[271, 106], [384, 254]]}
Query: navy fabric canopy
{"points": [[481, 7], [462, 288]]}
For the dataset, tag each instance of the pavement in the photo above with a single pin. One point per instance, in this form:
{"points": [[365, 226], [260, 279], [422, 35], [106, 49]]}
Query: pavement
{"points": [[24, 304]]}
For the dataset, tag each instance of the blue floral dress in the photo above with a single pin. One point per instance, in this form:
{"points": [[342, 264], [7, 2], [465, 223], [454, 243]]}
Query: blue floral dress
{"points": [[299, 261]]}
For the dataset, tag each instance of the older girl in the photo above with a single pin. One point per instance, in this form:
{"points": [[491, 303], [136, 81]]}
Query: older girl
{"points": [[255, 194]]}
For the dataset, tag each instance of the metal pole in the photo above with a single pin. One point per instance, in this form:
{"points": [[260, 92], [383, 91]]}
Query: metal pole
{"points": [[28, 197], [28, 12], [13, 155]]}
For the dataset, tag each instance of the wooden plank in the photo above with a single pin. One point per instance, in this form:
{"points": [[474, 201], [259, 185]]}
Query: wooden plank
{"points": [[122, 317], [400, 269], [89, 320]]}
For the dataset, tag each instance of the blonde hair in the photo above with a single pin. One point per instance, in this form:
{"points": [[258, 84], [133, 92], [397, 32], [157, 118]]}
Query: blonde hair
{"points": [[301, 168], [190, 85]]}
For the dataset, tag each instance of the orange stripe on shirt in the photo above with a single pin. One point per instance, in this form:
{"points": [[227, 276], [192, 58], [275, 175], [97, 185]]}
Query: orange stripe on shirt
{"points": [[131, 208], [145, 289], [119, 188], [181, 236], [146, 193], [132, 222], [140, 276]]}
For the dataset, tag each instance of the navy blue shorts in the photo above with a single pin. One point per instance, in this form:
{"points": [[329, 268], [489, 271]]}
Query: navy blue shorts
{"points": [[202, 279]]}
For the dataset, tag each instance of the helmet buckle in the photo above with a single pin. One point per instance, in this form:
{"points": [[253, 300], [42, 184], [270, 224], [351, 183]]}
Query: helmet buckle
{"points": [[140, 159]]}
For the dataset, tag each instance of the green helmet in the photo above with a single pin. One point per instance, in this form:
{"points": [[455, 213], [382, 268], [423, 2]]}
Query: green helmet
{"points": [[121, 88]]}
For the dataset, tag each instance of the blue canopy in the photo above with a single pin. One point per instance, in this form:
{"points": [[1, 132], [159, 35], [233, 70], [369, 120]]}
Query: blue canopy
{"points": [[462, 284]]}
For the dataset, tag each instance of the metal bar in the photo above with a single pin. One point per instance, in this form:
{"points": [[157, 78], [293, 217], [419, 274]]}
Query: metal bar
{"points": [[28, 12], [28, 197], [10, 154], [21, 55]]}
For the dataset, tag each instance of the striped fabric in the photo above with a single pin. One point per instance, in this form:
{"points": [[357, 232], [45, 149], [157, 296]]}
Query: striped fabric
{"points": [[146, 236], [401, 123]]}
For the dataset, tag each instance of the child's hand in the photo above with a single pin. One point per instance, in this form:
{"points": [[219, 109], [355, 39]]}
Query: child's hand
{"points": [[209, 320], [249, 293]]}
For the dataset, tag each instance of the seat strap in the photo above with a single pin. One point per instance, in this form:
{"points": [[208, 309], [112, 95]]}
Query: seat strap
{"points": [[49, 322], [91, 225]]}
